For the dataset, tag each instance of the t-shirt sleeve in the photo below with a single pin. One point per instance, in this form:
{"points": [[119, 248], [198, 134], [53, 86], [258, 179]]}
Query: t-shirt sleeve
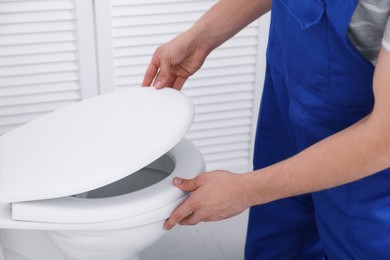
{"points": [[386, 36]]}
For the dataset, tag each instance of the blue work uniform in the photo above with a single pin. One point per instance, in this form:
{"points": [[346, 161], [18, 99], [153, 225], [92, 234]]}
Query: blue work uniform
{"points": [[316, 84]]}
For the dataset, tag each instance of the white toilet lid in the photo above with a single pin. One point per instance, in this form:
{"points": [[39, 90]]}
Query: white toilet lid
{"points": [[92, 143]]}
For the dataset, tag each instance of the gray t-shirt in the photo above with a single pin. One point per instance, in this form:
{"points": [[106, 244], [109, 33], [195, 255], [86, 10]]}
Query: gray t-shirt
{"points": [[369, 29]]}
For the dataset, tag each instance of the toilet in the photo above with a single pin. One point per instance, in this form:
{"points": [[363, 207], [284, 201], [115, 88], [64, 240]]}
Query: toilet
{"points": [[94, 179]]}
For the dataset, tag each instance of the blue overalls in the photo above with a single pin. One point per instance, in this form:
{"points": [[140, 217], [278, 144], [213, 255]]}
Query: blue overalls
{"points": [[316, 84]]}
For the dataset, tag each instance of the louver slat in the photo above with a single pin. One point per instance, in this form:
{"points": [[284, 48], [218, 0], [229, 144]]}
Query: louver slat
{"points": [[39, 59]]}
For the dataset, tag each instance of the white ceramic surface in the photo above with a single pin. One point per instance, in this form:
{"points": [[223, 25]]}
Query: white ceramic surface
{"points": [[132, 208], [182, 160], [91, 143], [119, 239]]}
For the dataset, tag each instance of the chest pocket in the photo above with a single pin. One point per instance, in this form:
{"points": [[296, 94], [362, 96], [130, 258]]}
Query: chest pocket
{"points": [[302, 31]]}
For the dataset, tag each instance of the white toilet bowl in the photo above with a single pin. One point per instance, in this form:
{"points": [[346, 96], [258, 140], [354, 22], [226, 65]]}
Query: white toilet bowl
{"points": [[112, 222], [117, 221]]}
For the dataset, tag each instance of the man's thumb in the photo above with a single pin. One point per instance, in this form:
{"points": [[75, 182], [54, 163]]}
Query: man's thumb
{"points": [[185, 184]]}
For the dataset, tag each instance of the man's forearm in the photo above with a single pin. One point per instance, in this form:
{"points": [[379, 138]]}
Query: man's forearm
{"points": [[225, 19], [352, 154]]}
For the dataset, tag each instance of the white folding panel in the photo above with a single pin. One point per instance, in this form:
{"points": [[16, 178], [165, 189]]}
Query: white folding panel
{"points": [[47, 57], [225, 91]]}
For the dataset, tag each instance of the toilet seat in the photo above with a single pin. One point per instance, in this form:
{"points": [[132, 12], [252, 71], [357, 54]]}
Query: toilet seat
{"points": [[91, 144], [72, 210]]}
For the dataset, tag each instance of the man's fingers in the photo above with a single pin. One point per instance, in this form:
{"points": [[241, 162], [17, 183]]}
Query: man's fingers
{"points": [[178, 215], [188, 185], [163, 75], [169, 82], [187, 207], [158, 73], [191, 219], [179, 82], [150, 74]]}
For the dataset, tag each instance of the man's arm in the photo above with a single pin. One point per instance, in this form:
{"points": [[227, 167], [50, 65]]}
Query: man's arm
{"points": [[175, 61], [225, 19], [354, 153]]}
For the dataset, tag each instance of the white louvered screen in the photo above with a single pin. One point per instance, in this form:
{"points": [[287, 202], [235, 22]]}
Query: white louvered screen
{"points": [[224, 95], [225, 91], [46, 54]]}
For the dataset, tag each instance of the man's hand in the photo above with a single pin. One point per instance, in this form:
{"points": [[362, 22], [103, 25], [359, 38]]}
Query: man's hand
{"points": [[214, 196], [174, 62]]}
